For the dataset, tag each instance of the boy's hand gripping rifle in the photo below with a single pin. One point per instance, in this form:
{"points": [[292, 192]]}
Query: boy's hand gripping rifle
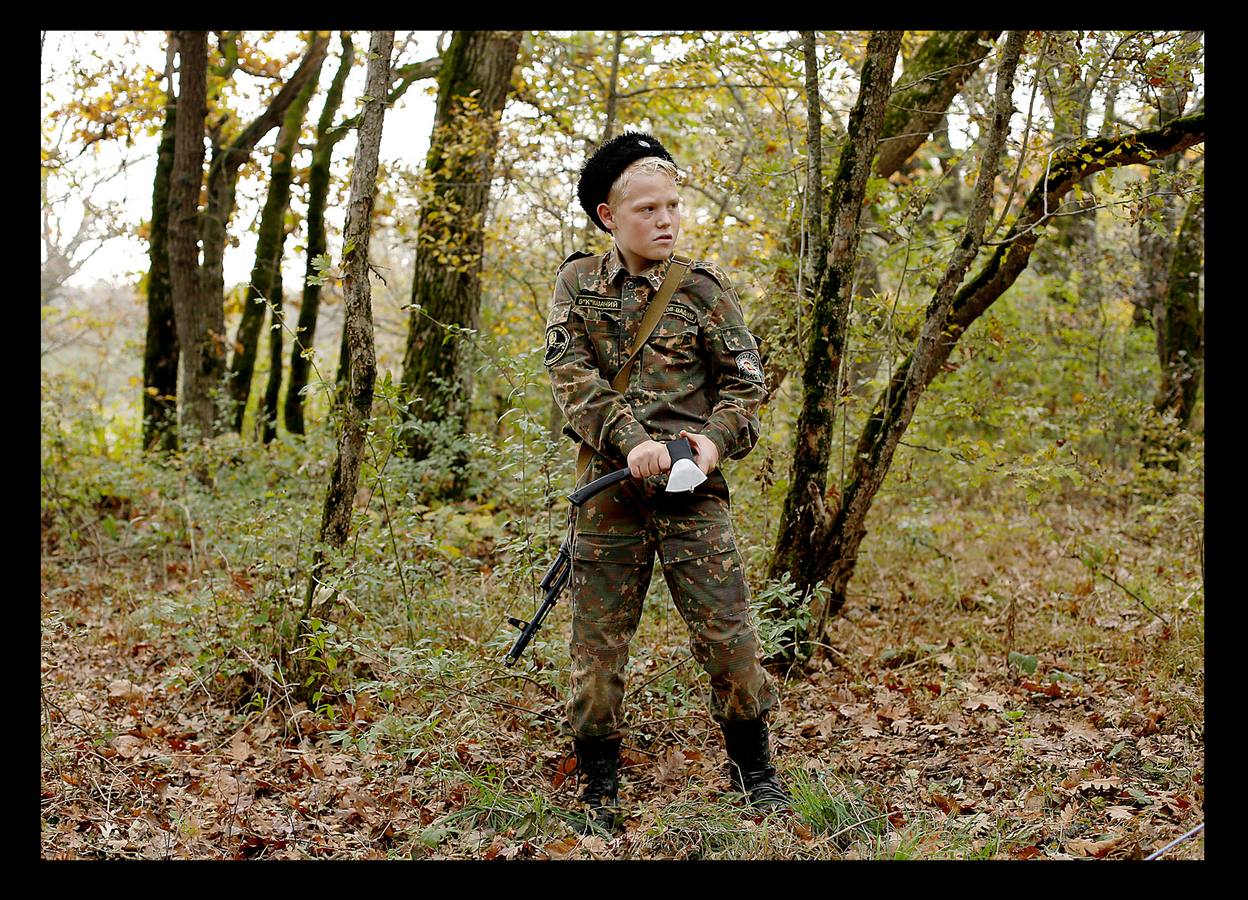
{"points": [[556, 578]]}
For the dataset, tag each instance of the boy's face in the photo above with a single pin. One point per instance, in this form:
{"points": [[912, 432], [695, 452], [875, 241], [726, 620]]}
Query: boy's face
{"points": [[646, 222]]}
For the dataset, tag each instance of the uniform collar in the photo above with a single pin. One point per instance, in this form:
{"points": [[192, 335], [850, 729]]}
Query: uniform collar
{"points": [[614, 265]]}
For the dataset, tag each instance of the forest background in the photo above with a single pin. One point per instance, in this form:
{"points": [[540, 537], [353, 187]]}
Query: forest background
{"points": [[975, 544]]}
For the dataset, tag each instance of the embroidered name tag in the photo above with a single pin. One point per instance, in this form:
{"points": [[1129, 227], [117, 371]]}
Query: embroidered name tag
{"points": [[750, 366], [599, 303], [684, 312]]}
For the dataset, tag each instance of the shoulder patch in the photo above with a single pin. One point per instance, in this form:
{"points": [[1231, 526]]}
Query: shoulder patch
{"points": [[750, 367], [717, 274], [557, 342], [578, 254]]}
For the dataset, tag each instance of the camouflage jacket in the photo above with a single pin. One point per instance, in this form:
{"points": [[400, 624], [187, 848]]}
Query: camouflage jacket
{"points": [[700, 369]]}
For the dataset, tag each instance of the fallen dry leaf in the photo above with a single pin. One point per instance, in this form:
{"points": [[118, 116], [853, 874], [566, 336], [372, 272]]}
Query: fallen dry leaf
{"points": [[566, 767], [670, 767], [1096, 849], [122, 690], [987, 700], [561, 847], [1100, 784], [239, 750], [593, 845]]}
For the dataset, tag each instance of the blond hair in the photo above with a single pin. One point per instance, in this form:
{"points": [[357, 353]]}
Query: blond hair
{"points": [[650, 165]]}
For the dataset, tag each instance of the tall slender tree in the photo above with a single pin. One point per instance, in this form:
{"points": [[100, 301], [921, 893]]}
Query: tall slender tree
{"points": [[227, 159], [345, 474], [327, 137], [192, 307], [402, 78], [804, 503], [849, 510], [160, 349], [1180, 327], [828, 553], [264, 289]]}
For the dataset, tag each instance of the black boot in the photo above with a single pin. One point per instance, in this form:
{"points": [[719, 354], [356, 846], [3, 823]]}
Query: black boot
{"points": [[749, 764], [598, 769]]}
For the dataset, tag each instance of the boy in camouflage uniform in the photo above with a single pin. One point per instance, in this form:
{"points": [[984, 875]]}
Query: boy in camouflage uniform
{"points": [[698, 376]]}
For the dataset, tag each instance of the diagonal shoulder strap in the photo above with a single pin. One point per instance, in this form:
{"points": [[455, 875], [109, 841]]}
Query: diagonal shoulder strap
{"points": [[654, 311]]}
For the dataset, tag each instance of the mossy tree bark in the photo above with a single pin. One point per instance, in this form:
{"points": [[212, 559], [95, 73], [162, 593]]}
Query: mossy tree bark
{"points": [[264, 289], [160, 349], [927, 86], [327, 137], [929, 81], [804, 507], [816, 251], [407, 76], [227, 159], [281, 178], [831, 556], [1156, 244], [472, 88], [1180, 326], [345, 474]]}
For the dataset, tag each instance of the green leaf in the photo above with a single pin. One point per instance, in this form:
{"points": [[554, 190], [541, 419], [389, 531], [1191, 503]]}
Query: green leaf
{"points": [[433, 835], [1024, 662]]}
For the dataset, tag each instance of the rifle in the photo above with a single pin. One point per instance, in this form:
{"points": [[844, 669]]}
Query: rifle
{"points": [[556, 577]]}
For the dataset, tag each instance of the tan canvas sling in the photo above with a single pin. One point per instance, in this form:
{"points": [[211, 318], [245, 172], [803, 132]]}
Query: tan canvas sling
{"points": [[654, 311]]}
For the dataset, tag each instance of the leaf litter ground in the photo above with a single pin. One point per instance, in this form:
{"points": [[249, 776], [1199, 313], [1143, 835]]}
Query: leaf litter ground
{"points": [[984, 694]]}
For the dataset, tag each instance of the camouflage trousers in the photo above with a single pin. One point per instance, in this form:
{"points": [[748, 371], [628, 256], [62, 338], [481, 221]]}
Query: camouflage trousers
{"points": [[617, 534]]}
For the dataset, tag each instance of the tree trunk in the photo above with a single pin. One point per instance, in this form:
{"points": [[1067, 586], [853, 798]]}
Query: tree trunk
{"points": [[1180, 327], [1155, 245], [816, 251], [192, 313], [804, 514], [327, 138], [1180, 340], [472, 88], [833, 558], [613, 89], [932, 78], [294, 124], [222, 181], [264, 289], [927, 86], [160, 354], [345, 475]]}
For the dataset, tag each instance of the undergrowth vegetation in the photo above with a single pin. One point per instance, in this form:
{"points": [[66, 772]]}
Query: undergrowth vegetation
{"points": [[1018, 673]]}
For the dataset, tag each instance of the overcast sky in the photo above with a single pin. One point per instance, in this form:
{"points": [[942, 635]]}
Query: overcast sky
{"points": [[405, 139]]}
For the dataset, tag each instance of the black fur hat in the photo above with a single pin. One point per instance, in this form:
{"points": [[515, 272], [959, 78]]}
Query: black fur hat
{"points": [[612, 158]]}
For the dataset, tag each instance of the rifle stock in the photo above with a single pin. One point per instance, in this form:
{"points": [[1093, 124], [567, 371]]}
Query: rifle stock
{"points": [[556, 577]]}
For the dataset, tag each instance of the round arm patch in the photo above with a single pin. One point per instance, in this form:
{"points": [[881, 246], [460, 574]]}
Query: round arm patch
{"points": [[557, 341], [748, 364]]}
